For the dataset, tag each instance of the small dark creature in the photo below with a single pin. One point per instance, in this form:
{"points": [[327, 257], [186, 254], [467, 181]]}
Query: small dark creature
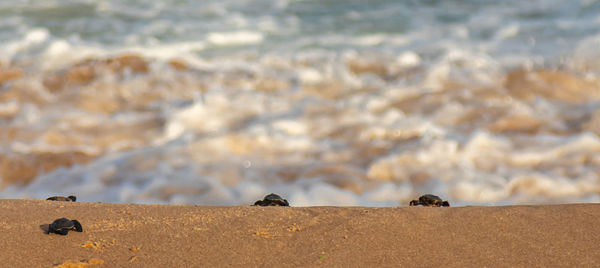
{"points": [[429, 200], [272, 200], [70, 198], [62, 226]]}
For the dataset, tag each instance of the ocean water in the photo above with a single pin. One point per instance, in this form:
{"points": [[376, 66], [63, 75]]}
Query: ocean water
{"points": [[330, 102]]}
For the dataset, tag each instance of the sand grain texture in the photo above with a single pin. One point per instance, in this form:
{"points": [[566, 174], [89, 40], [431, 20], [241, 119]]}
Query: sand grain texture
{"points": [[125, 235]]}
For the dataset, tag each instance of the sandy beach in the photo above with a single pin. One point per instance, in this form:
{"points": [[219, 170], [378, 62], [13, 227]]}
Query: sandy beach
{"points": [[127, 235], [347, 109]]}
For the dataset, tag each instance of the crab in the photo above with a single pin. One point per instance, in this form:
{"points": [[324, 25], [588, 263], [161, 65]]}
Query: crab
{"points": [[70, 198], [272, 200], [429, 200], [62, 226]]}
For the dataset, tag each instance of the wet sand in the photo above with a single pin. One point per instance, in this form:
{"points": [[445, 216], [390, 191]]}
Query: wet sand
{"points": [[126, 235]]}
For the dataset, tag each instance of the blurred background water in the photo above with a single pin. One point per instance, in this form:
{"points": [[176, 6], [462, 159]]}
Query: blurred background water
{"points": [[330, 102]]}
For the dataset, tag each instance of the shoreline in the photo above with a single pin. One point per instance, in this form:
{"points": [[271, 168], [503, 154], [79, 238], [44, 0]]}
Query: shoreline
{"points": [[118, 235]]}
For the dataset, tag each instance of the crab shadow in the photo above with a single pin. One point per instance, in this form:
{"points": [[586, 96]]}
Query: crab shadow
{"points": [[45, 228]]}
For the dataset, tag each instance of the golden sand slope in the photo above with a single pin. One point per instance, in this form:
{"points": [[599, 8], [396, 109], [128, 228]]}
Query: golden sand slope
{"points": [[120, 235]]}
